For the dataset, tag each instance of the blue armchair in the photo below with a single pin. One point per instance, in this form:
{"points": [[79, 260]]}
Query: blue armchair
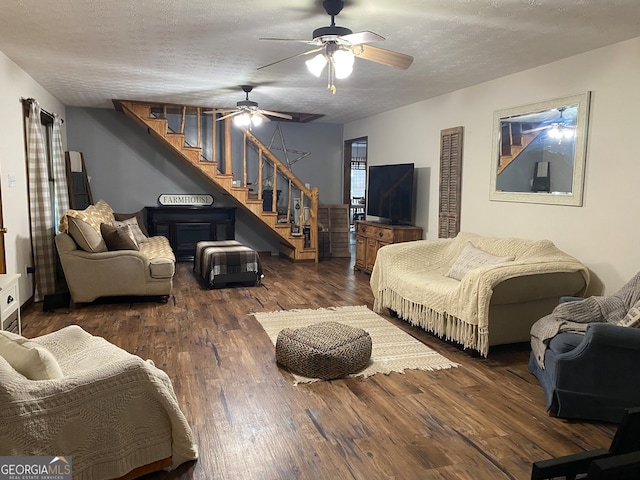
{"points": [[591, 376]]}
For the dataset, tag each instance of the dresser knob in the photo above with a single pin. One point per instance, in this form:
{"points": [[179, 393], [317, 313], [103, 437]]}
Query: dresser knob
{"points": [[380, 234], [10, 299]]}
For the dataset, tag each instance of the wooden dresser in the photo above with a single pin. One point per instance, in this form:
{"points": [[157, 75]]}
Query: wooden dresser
{"points": [[370, 236]]}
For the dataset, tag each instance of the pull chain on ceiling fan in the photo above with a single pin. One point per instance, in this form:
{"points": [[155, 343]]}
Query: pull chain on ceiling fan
{"points": [[337, 46]]}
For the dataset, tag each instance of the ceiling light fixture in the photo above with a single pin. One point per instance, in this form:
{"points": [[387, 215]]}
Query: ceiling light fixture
{"points": [[339, 59], [247, 119]]}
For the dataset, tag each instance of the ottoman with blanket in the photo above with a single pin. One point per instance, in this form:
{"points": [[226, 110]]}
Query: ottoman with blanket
{"points": [[477, 291], [220, 263]]}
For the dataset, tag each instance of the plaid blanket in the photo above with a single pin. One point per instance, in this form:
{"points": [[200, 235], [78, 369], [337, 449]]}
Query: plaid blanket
{"points": [[214, 258]]}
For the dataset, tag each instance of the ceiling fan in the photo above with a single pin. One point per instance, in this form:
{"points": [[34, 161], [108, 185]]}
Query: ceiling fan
{"points": [[337, 46], [247, 113], [558, 128]]}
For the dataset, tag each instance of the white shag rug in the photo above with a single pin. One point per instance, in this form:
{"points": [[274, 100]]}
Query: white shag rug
{"points": [[393, 349]]}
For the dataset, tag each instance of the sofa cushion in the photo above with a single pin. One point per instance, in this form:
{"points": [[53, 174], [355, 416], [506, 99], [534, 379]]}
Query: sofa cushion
{"points": [[134, 220], [471, 258], [157, 247], [27, 358], [118, 238], [87, 238]]}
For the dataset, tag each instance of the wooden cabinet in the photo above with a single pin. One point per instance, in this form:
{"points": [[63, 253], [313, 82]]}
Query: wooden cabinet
{"points": [[10, 303], [186, 226], [370, 236]]}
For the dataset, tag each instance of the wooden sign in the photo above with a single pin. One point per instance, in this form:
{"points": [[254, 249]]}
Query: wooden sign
{"points": [[186, 199]]}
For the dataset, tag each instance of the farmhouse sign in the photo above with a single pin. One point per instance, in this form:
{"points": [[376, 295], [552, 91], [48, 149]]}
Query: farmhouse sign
{"points": [[182, 199]]}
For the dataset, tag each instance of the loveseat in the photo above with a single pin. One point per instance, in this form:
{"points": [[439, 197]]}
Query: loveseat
{"points": [[105, 254], [477, 291]]}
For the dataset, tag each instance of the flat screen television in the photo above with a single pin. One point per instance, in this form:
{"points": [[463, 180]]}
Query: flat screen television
{"points": [[391, 193]]}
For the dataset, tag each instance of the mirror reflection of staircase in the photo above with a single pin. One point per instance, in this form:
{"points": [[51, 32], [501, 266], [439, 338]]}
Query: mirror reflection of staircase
{"points": [[205, 145]]}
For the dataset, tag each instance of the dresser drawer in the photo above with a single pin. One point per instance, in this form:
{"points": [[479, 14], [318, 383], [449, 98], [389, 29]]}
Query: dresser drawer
{"points": [[9, 300], [379, 233]]}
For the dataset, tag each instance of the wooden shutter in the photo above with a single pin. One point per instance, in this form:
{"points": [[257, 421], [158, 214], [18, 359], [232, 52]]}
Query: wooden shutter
{"points": [[450, 182]]}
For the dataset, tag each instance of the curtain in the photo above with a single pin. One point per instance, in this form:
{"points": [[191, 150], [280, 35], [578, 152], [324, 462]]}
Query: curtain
{"points": [[60, 190], [40, 207]]}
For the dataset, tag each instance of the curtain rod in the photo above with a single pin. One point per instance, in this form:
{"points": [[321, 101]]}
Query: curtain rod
{"points": [[42, 110]]}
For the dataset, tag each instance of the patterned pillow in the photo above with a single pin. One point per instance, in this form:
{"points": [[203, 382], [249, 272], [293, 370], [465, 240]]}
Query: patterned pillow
{"points": [[134, 226], [632, 318], [118, 238], [94, 215], [471, 258]]}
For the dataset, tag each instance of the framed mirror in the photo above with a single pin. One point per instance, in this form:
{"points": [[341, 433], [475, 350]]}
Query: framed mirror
{"points": [[539, 151]]}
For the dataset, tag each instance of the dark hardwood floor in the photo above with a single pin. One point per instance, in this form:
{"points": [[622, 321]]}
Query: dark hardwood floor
{"points": [[483, 420]]}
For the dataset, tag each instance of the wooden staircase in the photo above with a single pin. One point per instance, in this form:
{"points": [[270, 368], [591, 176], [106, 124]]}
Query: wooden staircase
{"points": [[180, 128]]}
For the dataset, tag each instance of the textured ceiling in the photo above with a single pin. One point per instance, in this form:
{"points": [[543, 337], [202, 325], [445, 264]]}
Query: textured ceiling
{"points": [[197, 52]]}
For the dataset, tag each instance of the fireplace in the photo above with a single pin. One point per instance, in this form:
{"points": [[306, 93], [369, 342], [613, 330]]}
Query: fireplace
{"points": [[186, 226], [188, 234]]}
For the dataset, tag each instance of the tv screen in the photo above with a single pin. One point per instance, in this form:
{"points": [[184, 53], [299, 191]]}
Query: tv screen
{"points": [[390, 193]]}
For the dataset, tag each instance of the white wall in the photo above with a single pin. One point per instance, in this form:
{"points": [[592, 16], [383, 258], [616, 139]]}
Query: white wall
{"points": [[14, 84], [603, 233]]}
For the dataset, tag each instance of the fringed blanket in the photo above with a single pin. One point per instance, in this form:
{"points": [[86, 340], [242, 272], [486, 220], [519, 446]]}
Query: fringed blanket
{"points": [[409, 278], [575, 316]]}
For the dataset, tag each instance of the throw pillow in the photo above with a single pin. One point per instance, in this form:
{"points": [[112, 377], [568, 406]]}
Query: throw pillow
{"points": [[137, 232], [94, 215], [29, 359], [139, 216], [85, 236], [632, 318], [118, 238], [471, 258]]}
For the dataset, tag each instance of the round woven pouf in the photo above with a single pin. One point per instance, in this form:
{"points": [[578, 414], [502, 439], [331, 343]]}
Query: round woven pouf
{"points": [[324, 350]]}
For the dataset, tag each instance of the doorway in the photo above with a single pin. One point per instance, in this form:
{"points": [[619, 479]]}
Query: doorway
{"points": [[355, 178]]}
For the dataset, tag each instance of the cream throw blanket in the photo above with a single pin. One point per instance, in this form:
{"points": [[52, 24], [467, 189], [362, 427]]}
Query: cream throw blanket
{"points": [[112, 411], [409, 278]]}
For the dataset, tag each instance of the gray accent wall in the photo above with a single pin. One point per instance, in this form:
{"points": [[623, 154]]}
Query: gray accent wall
{"points": [[130, 169]]}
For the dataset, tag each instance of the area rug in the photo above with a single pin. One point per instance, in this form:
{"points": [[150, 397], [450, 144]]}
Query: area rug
{"points": [[393, 349]]}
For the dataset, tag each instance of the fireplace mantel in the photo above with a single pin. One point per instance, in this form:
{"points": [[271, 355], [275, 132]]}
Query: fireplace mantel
{"points": [[185, 226]]}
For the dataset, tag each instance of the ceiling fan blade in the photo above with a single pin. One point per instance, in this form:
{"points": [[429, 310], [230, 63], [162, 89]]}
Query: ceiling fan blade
{"points": [[293, 56], [534, 130], [385, 57], [217, 110], [260, 113], [361, 37], [232, 114], [276, 114], [297, 40]]}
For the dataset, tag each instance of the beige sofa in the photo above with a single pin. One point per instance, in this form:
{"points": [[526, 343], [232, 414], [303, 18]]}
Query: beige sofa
{"points": [[104, 254], [477, 291]]}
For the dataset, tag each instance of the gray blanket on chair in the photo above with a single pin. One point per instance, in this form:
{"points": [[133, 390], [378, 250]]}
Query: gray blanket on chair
{"points": [[575, 316]]}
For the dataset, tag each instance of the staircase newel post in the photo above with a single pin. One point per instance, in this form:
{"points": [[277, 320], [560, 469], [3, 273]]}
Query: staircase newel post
{"points": [[227, 146], [244, 158], [313, 223], [260, 174]]}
